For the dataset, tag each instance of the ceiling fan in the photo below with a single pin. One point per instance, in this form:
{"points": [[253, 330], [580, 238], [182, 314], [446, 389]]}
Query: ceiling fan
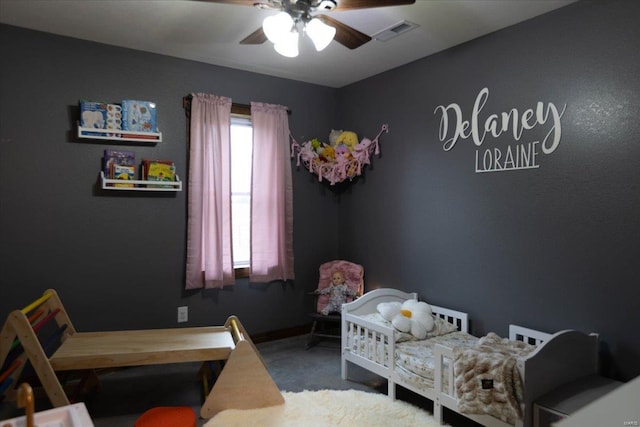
{"points": [[307, 16]]}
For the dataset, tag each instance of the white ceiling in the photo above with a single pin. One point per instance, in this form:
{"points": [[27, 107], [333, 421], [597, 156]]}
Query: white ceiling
{"points": [[210, 32]]}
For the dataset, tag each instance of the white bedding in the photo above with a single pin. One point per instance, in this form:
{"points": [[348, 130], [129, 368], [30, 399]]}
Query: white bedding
{"points": [[415, 361], [418, 358], [415, 357]]}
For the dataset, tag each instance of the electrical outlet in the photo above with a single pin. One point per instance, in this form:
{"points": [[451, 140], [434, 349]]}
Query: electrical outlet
{"points": [[183, 314]]}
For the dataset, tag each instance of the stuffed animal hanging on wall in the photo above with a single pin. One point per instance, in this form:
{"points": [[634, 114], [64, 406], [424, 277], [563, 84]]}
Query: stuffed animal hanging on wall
{"points": [[341, 159]]}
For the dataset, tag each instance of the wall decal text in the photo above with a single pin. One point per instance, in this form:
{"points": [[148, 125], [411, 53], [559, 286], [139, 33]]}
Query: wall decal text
{"points": [[520, 155]]}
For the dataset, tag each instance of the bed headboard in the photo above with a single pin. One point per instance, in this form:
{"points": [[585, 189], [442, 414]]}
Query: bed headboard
{"points": [[368, 303]]}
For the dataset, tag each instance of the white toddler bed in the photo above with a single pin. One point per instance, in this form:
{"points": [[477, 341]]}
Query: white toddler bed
{"points": [[541, 361]]}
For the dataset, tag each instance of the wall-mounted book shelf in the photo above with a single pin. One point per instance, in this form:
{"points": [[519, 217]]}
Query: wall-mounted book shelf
{"points": [[117, 135], [139, 185]]}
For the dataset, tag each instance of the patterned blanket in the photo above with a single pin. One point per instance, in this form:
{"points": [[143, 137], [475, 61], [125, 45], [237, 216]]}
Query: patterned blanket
{"points": [[487, 378]]}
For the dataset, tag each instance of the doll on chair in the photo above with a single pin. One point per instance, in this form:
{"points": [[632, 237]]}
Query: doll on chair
{"points": [[338, 292]]}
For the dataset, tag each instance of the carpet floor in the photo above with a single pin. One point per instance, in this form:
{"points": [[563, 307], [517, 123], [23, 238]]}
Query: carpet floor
{"points": [[127, 393]]}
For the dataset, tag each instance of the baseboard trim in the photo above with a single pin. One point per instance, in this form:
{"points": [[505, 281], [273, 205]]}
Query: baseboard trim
{"points": [[281, 333]]}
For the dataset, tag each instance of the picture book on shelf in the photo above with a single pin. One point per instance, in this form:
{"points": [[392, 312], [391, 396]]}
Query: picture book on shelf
{"points": [[118, 157], [123, 172], [119, 164], [158, 170], [139, 116]]}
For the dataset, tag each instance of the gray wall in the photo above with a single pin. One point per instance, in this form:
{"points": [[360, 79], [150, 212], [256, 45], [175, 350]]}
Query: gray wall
{"points": [[551, 248], [118, 259]]}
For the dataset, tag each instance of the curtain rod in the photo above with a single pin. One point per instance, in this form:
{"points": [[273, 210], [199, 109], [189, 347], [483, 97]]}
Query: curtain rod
{"points": [[239, 108]]}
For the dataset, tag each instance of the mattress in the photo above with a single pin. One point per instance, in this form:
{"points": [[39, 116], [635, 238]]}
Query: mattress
{"points": [[417, 357], [415, 362]]}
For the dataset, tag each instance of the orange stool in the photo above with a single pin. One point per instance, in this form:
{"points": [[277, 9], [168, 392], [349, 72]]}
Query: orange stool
{"points": [[168, 416]]}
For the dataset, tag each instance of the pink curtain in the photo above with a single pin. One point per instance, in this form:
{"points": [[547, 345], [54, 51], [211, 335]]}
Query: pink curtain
{"points": [[209, 249], [271, 195]]}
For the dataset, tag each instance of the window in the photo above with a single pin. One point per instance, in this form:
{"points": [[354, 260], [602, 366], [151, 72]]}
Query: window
{"points": [[241, 153], [210, 235]]}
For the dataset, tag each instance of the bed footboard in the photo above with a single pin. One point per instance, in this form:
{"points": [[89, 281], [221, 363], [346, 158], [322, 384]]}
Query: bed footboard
{"points": [[530, 336], [565, 357], [559, 358]]}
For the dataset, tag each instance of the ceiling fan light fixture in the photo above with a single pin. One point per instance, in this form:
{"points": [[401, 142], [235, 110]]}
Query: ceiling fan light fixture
{"points": [[277, 27], [288, 45], [327, 5], [320, 33]]}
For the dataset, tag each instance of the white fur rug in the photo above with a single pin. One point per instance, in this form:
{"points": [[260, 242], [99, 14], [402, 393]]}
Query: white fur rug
{"points": [[326, 408]]}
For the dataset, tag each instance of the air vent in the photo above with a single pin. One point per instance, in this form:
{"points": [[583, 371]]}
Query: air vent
{"points": [[394, 31]]}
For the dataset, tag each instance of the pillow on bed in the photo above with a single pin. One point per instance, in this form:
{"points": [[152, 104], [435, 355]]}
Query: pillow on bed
{"points": [[379, 320], [441, 327]]}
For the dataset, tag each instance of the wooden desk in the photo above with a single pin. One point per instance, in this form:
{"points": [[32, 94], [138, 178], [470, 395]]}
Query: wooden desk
{"points": [[93, 350]]}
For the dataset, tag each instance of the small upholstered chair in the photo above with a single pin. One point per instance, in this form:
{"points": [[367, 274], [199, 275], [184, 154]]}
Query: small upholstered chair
{"points": [[340, 281]]}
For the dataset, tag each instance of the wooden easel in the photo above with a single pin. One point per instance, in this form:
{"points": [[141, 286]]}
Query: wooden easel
{"points": [[244, 382]]}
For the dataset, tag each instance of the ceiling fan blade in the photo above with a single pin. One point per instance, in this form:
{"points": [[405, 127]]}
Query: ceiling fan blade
{"points": [[342, 4], [257, 37], [345, 35], [366, 4]]}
